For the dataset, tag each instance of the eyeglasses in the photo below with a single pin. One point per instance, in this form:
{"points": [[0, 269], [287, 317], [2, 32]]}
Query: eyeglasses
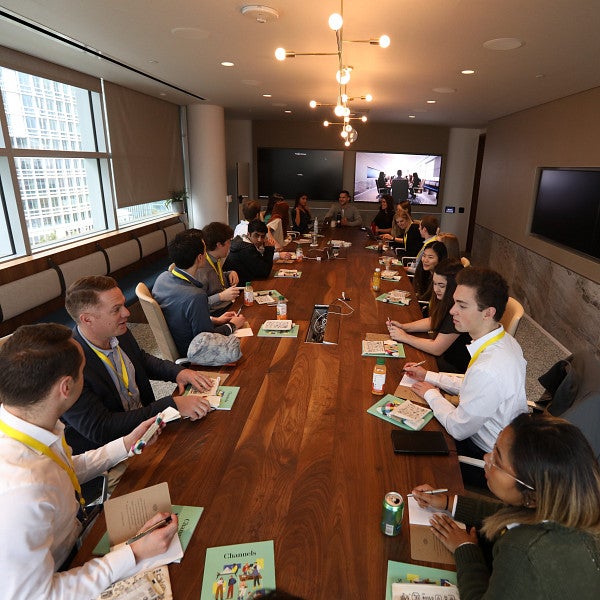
{"points": [[491, 463]]}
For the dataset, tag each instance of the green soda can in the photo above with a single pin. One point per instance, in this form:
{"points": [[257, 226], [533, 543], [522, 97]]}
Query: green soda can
{"points": [[393, 511]]}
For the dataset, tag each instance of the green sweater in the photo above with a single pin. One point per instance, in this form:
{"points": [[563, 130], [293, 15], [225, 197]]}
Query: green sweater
{"points": [[545, 561]]}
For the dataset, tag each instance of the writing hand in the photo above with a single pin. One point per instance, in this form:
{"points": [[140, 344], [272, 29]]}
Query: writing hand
{"points": [[449, 533], [436, 501], [415, 372], [158, 541]]}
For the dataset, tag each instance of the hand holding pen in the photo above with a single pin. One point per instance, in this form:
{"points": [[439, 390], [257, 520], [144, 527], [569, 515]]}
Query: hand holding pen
{"points": [[428, 497], [415, 370], [154, 537]]}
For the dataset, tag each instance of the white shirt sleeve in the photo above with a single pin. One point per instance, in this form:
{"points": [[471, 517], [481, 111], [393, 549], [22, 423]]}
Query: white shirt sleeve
{"points": [[447, 382], [93, 462]]}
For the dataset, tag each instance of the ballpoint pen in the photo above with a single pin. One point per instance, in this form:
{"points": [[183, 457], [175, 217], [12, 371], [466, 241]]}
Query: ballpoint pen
{"points": [[416, 364], [430, 492], [141, 534]]}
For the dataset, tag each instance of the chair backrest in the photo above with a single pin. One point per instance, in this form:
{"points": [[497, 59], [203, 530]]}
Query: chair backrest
{"points": [[157, 322], [512, 315], [465, 262]]}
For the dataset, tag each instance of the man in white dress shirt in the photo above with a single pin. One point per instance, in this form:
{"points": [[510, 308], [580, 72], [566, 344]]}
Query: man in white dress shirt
{"points": [[492, 392], [41, 376]]}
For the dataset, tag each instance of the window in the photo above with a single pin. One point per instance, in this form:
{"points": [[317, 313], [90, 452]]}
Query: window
{"points": [[52, 117]]}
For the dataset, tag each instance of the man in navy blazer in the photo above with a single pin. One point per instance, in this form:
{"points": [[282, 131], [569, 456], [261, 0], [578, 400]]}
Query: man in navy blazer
{"points": [[117, 395]]}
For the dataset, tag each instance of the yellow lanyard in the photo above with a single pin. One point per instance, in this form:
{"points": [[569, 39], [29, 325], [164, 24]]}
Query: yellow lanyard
{"points": [[218, 269], [37, 445], [124, 377], [180, 275], [484, 346]]}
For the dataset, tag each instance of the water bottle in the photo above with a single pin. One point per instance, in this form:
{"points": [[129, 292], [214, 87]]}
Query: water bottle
{"points": [[379, 373], [248, 294], [299, 252], [376, 283], [316, 227], [281, 308]]}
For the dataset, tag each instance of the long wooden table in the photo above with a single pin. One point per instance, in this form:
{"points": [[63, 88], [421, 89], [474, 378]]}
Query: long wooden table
{"points": [[298, 460]]}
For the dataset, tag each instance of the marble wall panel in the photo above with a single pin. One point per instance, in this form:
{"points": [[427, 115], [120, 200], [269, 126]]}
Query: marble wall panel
{"points": [[563, 302]]}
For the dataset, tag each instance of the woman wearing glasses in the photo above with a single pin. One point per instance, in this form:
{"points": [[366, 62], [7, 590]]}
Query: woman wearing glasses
{"points": [[546, 531]]}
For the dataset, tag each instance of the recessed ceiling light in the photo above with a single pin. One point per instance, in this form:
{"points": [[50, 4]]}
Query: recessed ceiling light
{"points": [[267, 95], [287, 111], [227, 63], [412, 117], [431, 101], [468, 72], [503, 44], [152, 61], [444, 90], [252, 82], [540, 76]]}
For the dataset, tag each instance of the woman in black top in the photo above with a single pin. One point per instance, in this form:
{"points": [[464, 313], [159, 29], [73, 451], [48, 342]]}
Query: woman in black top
{"points": [[301, 216], [433, 254], [449, 346], [382, 223], [405, 234]]}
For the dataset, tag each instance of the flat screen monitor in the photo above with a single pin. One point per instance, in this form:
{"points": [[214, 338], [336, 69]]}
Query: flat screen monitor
{"points": [[293, 171], [377, 173], [567, 208]]}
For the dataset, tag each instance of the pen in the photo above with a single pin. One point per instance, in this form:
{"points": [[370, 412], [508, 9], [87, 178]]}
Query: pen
{"points": [[430, 492], [417, 364], [141, 534], [239, 310]]}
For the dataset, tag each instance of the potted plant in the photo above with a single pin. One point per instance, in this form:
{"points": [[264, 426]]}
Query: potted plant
{"points": [[178, 201]]}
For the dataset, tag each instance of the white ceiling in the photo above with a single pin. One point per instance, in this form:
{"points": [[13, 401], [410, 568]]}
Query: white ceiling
{"points": [[432, 41]]}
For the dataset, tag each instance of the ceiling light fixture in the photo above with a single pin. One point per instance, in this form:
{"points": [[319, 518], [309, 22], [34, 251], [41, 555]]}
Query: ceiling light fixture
{"points": [[343, 75], [468, 72], [261, 14], [227, 63]]}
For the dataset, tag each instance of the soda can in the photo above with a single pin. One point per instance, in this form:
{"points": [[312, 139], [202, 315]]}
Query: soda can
{"points": [[393, 512]]}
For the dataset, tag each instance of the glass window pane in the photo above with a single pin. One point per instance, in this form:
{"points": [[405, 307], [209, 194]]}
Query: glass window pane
{"points": [[62, 198], [141, 212], [46, 115]]}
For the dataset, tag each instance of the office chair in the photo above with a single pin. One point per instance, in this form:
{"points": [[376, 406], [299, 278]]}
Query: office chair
{"points": [[158, 324], [512, 315]]}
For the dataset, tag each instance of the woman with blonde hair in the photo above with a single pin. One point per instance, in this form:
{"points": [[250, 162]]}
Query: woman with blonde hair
{"points": [[546, 530], [405, 233]]}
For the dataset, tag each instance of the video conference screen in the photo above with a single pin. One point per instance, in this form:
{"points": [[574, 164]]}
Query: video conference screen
{"points": [[414, 177]]}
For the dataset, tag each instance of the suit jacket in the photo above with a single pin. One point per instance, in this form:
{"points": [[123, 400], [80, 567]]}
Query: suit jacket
{"points": [[98, 416]]}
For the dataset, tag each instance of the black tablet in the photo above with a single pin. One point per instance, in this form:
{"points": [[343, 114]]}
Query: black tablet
{"points": [[419, 442]]}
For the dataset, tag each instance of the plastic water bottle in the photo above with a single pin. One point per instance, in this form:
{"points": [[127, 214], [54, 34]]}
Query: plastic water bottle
{"points": [[316, 227], [248, 294], [379, 372], [376, 282], [299, 252], [281, 308]]}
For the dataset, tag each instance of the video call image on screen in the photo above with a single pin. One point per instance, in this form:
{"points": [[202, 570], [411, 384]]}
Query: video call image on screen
{"points": [[377, 173]]}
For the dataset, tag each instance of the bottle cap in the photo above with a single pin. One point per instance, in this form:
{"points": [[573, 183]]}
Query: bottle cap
{"points": [[381, 360], [377, 270], [248, 283], [281, 298]]}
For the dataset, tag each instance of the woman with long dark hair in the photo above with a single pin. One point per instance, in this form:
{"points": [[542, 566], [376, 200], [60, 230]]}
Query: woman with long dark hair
{"points": [[382, 223], [445, 343], [546, 529], [433, 254], [301, 216]]}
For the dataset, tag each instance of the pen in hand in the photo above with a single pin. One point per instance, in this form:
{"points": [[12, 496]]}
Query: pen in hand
{"points": [[415, 365], [239, 311], [141, 534], [430, 492]]}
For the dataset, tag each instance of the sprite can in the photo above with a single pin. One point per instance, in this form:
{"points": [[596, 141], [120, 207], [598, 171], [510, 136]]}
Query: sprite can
{"points": [[393, 511]]}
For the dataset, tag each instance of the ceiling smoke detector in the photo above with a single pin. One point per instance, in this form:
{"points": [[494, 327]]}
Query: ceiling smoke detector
{"points": [[261, 14]]}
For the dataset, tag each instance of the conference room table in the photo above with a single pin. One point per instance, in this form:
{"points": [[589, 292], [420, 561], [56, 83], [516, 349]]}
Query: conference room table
{"points": [[298, 460]]}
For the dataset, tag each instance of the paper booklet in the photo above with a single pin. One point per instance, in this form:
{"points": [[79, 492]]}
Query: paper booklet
{"points": [[239, 570], [220, 397], [414, 582], [398, 297], [291, 333], [402, 413], [385, 348], [389, 275], [424, 545], [148, 585], [288, 273], [266, 297], [277, 325]]}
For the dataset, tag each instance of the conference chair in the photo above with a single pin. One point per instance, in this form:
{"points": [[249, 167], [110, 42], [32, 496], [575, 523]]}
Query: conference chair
{"points": [[512, 316], [158, 324], [465, 261], [4, 339]]}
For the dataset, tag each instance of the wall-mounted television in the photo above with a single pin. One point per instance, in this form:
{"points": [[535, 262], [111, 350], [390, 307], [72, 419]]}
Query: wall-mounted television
{"points": [[567, 208], [293, 171], [376, 173]]}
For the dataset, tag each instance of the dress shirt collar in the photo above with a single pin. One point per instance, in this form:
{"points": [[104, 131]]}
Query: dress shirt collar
{"points": [[37, 433], [113, 341], [476, 344]]}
